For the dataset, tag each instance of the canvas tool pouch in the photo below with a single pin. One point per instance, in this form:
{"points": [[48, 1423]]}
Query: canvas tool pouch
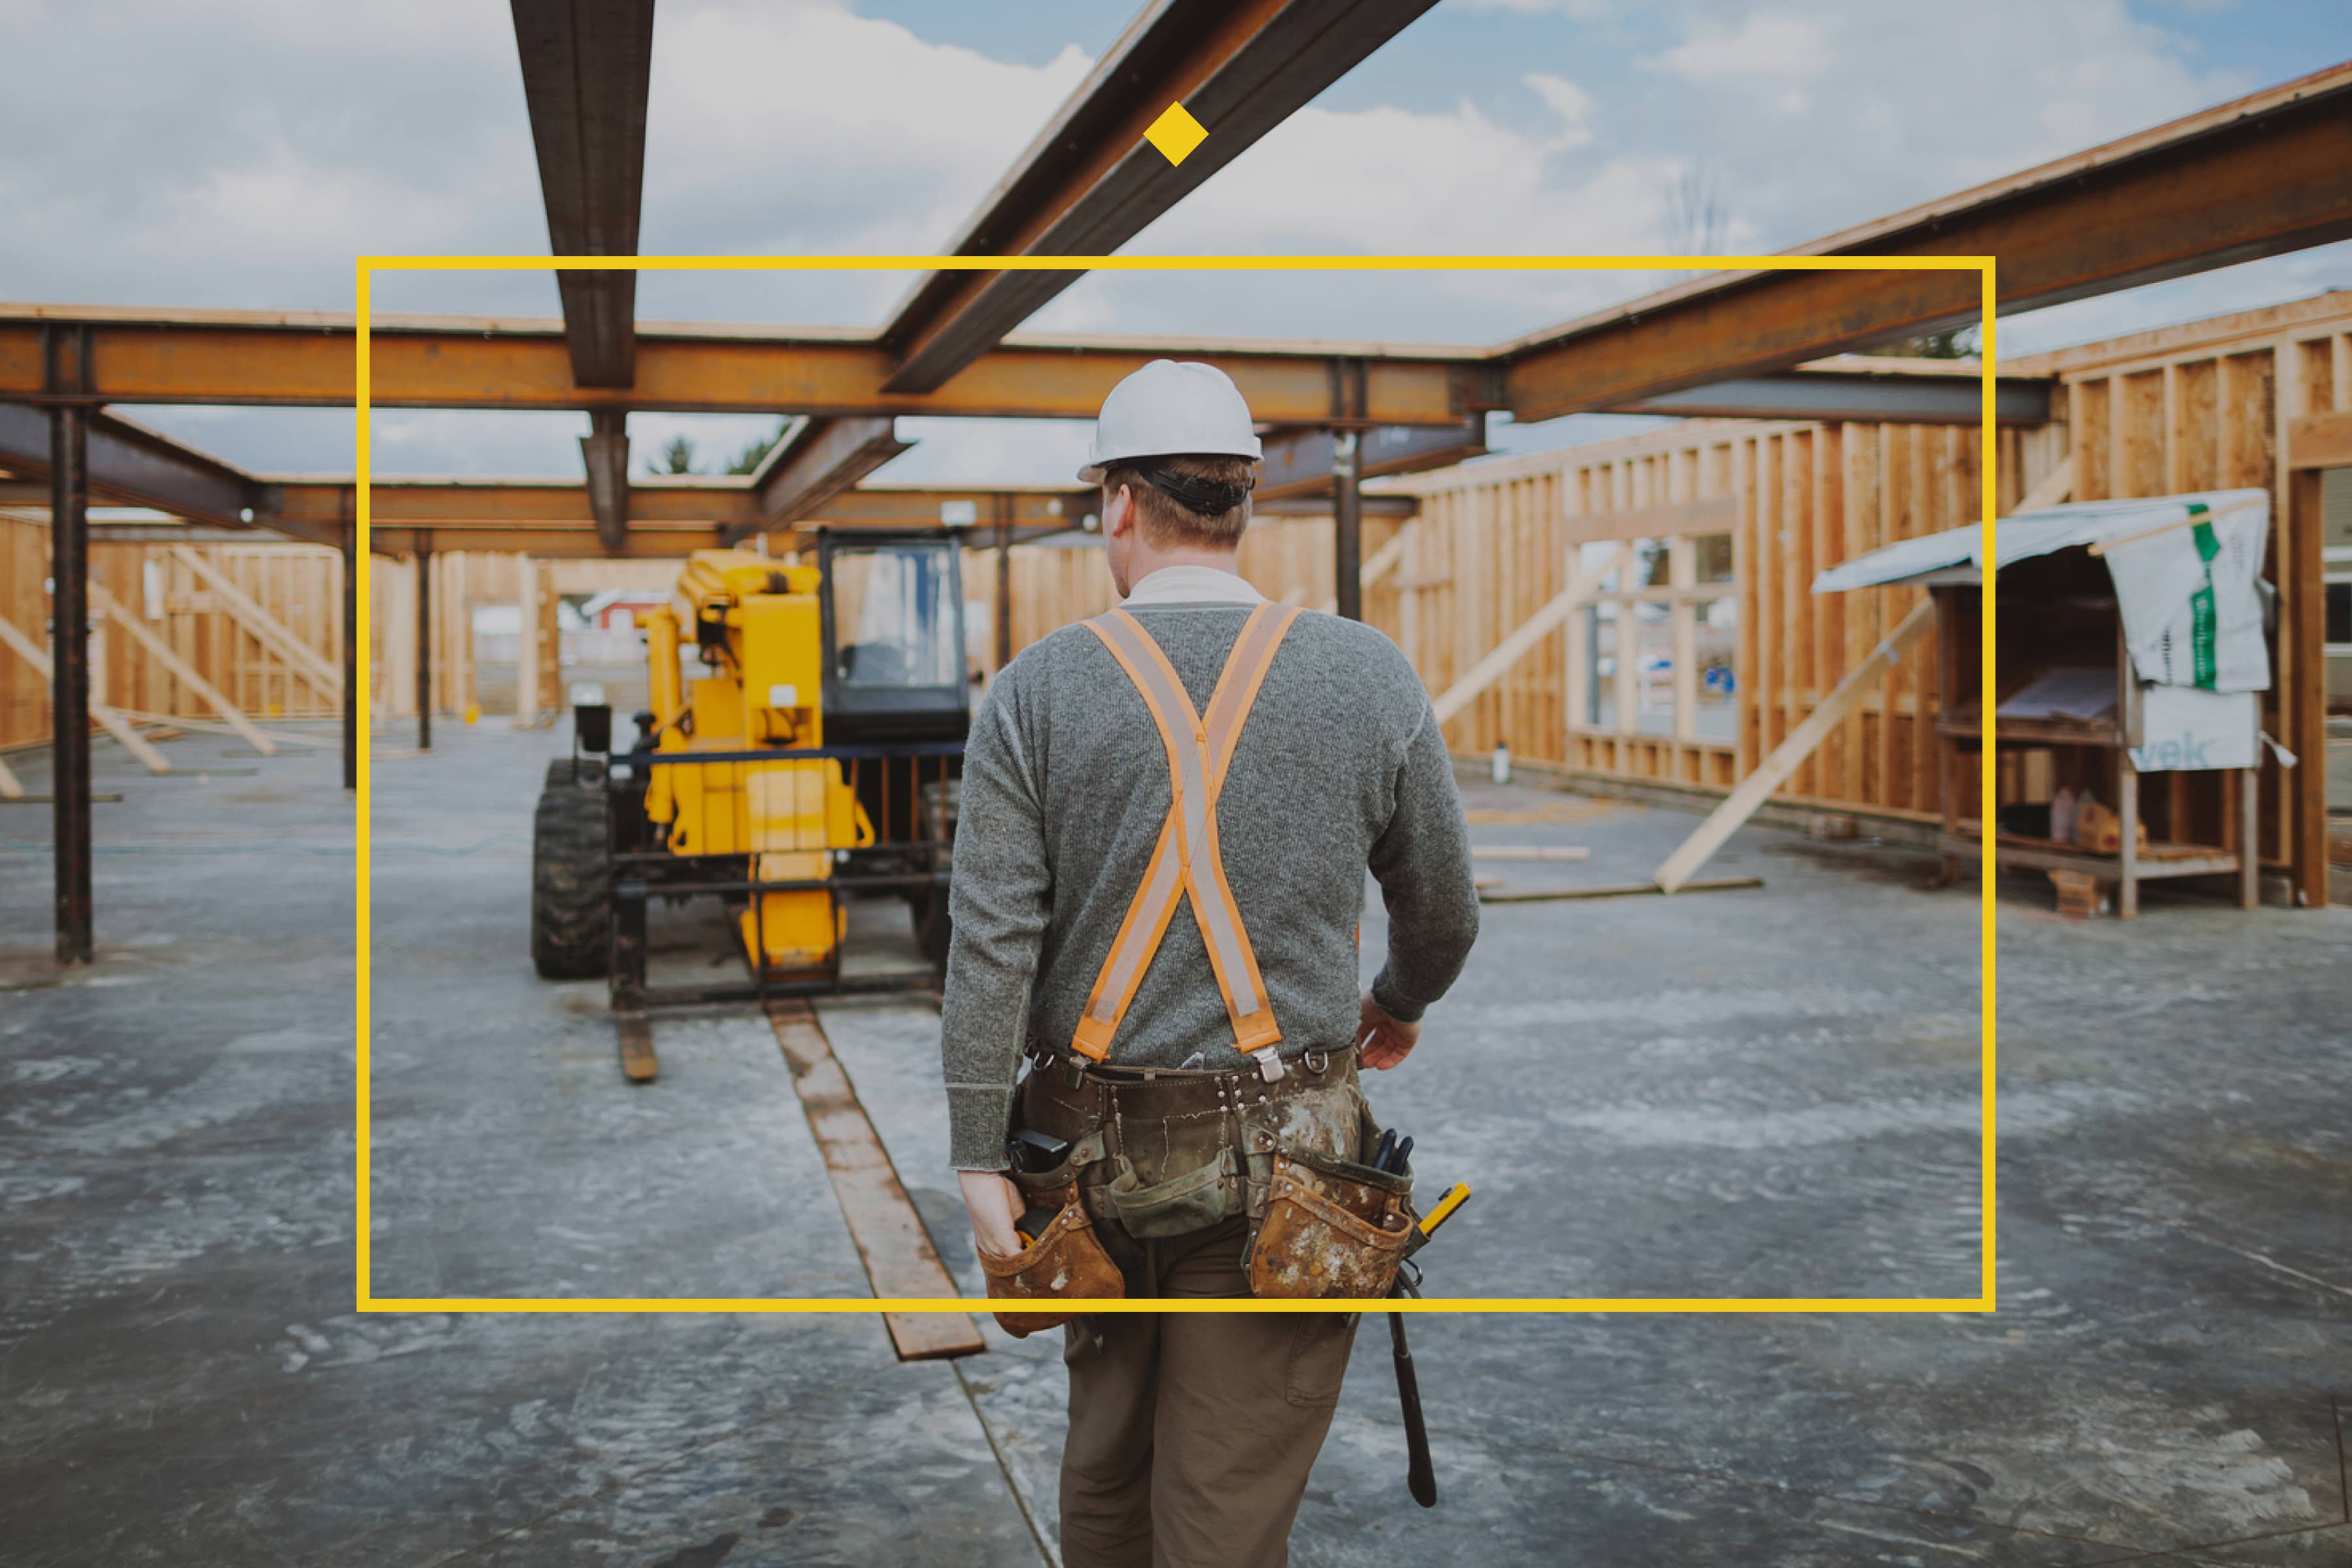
{"points": [[1195, 1200], [1183, 1150], [1331, 1226], [1066, 1262]]}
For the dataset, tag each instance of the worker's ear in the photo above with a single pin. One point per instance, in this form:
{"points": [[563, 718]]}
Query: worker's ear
{"points": [[1119, 512]]}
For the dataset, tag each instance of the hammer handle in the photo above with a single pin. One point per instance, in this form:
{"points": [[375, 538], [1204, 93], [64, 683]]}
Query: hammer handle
{"points": [[1421, 1476]]}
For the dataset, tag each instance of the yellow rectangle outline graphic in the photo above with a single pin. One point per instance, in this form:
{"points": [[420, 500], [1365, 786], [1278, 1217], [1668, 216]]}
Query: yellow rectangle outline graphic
{"points": [[1988, 468]]}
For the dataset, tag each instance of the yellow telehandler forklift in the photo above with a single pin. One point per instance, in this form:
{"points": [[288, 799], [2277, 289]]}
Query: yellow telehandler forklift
{"points": [[813, 762]]}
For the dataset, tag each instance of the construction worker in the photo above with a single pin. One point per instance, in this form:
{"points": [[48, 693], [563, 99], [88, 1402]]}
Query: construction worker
{"points": [[1165, 818]]}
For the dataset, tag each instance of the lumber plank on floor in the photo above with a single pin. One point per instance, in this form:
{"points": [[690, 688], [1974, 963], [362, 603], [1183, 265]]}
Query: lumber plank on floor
{"points": [[899, 1259], [1529, 852], [1612, 891]]}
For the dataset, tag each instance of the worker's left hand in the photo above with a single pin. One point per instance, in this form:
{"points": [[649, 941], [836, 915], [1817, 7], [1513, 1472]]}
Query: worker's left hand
{"points": [[1386, 1041], [994, 1203]]}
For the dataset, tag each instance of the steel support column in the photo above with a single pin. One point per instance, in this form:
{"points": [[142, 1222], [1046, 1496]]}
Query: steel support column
{"points": [[350, 656], [424, 650], [70, 675], [1348, 523]]}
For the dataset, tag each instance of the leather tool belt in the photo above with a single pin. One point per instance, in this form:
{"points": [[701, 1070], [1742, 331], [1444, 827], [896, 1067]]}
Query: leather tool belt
{"points": [[1164, 1153]]}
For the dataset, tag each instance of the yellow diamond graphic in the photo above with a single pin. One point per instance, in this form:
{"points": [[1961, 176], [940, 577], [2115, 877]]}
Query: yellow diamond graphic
{"points": [[1176, 133]]}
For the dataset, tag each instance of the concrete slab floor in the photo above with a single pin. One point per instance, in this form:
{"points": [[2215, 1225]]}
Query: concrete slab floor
{"points": [[1742, 1093]]}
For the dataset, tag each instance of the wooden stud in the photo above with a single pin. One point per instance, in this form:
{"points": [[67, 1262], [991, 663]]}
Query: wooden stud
{"points": [[2087, 404], [1747, 571], [2176, 435], [1858, 623], [1772, 634], [1894, 780], [1796, 587]]}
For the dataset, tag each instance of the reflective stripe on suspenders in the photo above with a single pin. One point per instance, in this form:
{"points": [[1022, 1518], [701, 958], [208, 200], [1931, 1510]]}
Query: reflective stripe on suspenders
{"points": [[1186, 858]]}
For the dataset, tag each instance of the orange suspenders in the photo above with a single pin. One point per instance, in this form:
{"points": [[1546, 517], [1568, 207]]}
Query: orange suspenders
{"points": [[1186, 859]]}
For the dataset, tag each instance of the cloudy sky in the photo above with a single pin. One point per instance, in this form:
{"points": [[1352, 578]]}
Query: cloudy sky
{"points": [[239, 152]]}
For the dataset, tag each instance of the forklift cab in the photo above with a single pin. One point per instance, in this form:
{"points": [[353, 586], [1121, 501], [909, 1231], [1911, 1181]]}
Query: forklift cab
{"points": [[894, 636]]}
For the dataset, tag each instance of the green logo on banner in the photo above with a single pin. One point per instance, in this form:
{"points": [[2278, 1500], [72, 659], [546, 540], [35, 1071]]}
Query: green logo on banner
{"points": [[2203, 626]]}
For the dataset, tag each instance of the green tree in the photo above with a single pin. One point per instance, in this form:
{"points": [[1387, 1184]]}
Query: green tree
{"points": [[749, 459], [676, 458], [1959, 343]]}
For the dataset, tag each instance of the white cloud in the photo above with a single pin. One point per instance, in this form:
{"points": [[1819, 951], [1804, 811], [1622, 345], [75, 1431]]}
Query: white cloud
{"points": [[1388, 181], [1767, 43], [806, 128], [990, 452], [1571, 102], [1819, 114], [1581, 10], [247, 149]]}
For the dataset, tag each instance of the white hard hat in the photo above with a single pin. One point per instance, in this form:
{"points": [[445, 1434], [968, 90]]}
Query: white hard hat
{"points": [[1170, 406]]}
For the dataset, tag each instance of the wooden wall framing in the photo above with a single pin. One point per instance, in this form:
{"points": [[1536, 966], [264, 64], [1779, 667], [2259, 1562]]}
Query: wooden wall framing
{"points": [[2260, 398], [1494, 542], [298, 587]]}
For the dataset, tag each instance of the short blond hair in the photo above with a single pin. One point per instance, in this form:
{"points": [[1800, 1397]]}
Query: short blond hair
{"points": [[1167, 523]]}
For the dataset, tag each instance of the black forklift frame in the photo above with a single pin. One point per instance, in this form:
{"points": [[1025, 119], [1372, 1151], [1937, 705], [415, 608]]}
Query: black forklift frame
{"points": [[662, 873]]}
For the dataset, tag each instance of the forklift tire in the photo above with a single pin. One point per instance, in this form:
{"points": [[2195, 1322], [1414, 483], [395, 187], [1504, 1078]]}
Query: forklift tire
{"points": [[565, 771], [572, 874]]}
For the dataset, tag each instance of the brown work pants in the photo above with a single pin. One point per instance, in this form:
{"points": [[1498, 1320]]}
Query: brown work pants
{"points": [[1192, 1433]]}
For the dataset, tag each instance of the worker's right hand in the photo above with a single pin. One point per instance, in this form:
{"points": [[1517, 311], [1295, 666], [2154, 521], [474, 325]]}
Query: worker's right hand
{"points": [[1385, 1041], [993, 1202]]}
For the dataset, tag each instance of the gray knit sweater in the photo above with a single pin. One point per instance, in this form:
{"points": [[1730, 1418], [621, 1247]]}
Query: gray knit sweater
{"points": [[1340, 767]]}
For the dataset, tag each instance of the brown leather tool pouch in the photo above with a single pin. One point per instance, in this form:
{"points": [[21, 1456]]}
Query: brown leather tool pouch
{"points": [[1065, 1263], [1332, 1228]]}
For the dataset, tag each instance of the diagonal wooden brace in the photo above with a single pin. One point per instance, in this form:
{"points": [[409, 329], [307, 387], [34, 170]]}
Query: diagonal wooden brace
{"points": [[101, 600], [265, 628], [113, 722], [1524, 636], [1773, 771]]}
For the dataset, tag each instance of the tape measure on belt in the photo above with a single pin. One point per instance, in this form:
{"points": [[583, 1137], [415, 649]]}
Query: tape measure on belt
{"points": [[1186, 861]]}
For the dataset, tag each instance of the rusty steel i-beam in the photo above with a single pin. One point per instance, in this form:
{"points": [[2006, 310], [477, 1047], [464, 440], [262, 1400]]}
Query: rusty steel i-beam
{"points": [[1090, 182], [814, 464], [587, 71], [309, 360], [2248, 179]]}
